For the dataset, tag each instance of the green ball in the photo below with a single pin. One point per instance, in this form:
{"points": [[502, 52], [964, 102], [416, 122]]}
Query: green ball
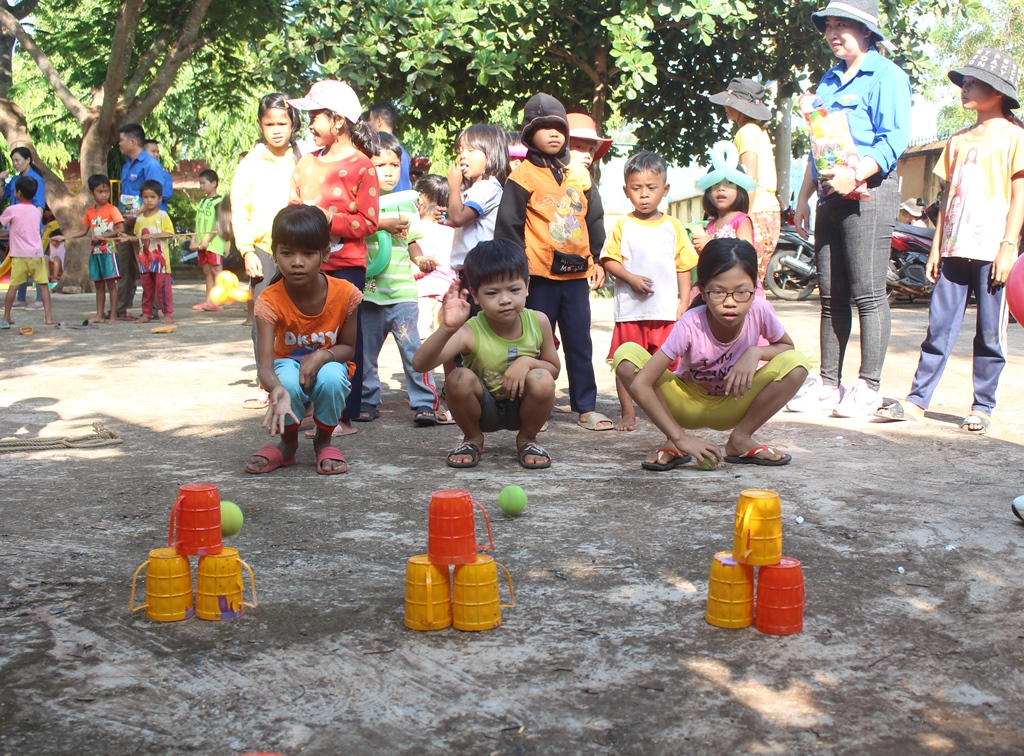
{"points": [[512, 500], [230, 518], [710, 463]]}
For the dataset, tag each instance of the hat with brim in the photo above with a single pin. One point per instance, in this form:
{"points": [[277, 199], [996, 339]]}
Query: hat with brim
{"points": [[864, 11], [333, 95], [912, 208], [582, 126], [992, 67], [744, 95]]}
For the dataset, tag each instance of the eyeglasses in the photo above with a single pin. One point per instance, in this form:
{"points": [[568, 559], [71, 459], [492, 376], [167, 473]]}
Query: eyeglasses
{"points": [[718, 296]]}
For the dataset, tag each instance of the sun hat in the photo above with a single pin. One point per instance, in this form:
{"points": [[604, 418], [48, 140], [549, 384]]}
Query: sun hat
{"points": [[864, 11], [582, 126], [992, 67], [746, 96], [333, 95], [914, 207]]}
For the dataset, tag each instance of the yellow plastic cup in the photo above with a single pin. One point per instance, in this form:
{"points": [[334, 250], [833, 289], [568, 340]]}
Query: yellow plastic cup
{"points": [[219, 586], [428, 594], [168, 587], [757, 533], [475, 597], [730, 592]]}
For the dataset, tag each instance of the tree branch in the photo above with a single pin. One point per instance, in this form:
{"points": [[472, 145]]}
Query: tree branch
{"points": [[578, 62], [121, 44], [53, 78], [187, 42], [146, 62]]}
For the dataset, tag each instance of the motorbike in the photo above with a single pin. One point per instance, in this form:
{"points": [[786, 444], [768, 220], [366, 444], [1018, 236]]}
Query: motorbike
{"points": [[792, 272]]}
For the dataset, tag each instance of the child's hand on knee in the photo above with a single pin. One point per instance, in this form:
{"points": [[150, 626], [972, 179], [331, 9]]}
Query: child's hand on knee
{"points": [[278, 410], [310, 366]]}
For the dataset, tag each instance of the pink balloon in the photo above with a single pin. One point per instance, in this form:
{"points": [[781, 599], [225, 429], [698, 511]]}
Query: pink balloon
{"points": [[1015, 291]]}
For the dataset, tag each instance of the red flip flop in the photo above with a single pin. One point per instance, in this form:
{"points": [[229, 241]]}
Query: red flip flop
{"points": [[274, 457], [330, 452], [750, 458], [675, 459]]}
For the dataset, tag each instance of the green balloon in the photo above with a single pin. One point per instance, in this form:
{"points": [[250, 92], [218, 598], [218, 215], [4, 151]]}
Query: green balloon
{"points": [[512, 500], [230, 518]]}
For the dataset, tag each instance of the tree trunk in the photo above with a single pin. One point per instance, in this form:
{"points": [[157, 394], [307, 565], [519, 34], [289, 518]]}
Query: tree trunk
{"points": [[784, 142], [6, 64]]}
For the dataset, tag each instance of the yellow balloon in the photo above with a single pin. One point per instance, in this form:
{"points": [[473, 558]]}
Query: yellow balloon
{"points": [[227, 280], [218, 295], [240, 294]]}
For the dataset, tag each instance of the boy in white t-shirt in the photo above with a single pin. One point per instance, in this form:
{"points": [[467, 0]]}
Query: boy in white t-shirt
{"points": [[651, 256]]}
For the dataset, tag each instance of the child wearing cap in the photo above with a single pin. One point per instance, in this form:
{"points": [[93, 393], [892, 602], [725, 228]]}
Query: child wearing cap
{"points": [[553, 210], [976, 237], [340, 179]]}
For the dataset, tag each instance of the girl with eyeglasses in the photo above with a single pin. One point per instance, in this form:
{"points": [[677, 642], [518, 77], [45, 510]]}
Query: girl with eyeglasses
{"points": [[727, 378]]}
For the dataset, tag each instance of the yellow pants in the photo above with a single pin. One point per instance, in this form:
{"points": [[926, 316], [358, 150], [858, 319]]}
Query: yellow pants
{"points": [[692, 407]]}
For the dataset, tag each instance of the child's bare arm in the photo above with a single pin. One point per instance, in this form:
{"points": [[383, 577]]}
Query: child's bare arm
{"points": [[514, 380], [644, 392], [746, 231], [420, 260], [1011, 233], [683, 278], [640, 284], [452, 338], [280, 406], [741, 376], [458, 214]]}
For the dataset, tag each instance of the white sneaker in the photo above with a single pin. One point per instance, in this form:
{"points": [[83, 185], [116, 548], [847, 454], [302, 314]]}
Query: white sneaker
{"points": [[814, 396], [860, 401]]}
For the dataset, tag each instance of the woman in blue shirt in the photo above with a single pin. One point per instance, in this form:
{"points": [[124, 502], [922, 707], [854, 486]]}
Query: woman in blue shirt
{"points": [[852, 237], [21, 159]]}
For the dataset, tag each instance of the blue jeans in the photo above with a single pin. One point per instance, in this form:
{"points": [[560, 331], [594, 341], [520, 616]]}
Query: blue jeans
{"points": [[567, 305], [958, 277], [328, 395], [400, 321]]}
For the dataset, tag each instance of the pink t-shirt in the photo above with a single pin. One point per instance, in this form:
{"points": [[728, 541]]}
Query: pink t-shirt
{"points": [[25, 220], [703, 359]]}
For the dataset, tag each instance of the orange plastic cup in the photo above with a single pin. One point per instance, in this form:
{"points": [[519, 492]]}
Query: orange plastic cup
{"points": [[780, 598], [196, 518], [451, 533], [730, 592], [757, 533]]}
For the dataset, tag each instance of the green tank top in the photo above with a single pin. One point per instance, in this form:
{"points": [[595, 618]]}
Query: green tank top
{"points": [[492, 354]]}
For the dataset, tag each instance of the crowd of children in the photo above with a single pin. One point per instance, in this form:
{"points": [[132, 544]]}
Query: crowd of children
{"points": [[493, 265]]}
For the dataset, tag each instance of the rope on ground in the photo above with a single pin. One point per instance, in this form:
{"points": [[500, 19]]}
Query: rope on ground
{"points": [[99, 437]]}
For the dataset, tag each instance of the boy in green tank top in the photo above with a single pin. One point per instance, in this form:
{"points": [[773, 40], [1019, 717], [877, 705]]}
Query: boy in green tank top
{"points": [[509, 360]]}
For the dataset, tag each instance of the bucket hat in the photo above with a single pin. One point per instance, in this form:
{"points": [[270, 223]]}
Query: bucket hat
{"points": [[582, 126], [746, 96], [914, 207], [865, 11], [995, 68], [333, 95]]}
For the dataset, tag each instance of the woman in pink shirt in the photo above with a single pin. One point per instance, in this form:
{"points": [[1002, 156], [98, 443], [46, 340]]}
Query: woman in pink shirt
{"points": [[737, 368]]}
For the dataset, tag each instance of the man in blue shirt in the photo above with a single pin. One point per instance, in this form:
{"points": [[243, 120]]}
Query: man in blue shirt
{"points": [[384, 117], [139, 166], [152, 146]]}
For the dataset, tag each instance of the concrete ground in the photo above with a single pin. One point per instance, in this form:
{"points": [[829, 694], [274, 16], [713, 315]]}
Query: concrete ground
{"points": [[607, 650]]}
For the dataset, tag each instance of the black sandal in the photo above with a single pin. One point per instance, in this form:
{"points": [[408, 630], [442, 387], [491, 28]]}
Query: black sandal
{"points": [[367, 414], [466, 447], [425, 417]]}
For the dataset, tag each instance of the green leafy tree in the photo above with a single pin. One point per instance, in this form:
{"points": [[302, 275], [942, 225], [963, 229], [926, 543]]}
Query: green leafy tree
{"points": [[105, 63]]}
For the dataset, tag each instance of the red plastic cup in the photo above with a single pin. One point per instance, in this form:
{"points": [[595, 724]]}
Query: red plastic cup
{"points": [[780, 598], [451, 535]]}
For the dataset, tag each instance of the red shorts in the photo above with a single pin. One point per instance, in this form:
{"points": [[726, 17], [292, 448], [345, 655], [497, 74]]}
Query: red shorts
{"points": [[650, 334], [208, 258]]}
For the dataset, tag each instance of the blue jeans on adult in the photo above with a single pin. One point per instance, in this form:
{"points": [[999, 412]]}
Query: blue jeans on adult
{"points": [[958, 277], [400, 321], [328, 394], [852, 240]]}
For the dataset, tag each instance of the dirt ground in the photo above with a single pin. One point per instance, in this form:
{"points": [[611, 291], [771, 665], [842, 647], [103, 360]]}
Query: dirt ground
{"points": [[607, 650]]}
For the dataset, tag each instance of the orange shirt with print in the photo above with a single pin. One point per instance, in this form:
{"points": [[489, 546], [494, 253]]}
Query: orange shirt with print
{"points": [[296, 334]]}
